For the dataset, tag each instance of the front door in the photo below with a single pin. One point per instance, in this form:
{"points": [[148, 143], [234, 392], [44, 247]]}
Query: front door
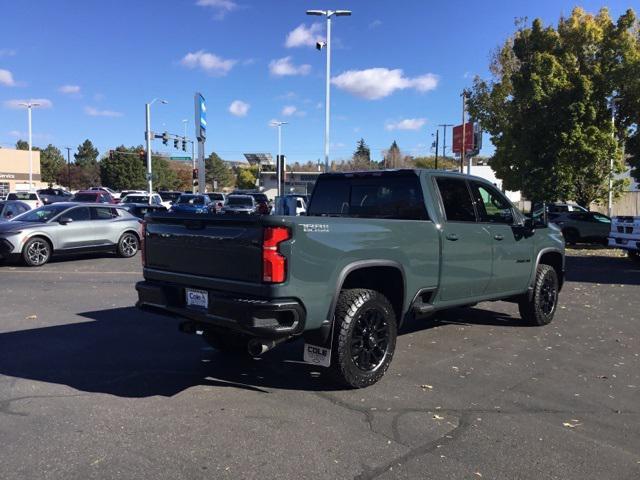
{"points": [[77, 233], [466, 244], [512, 251]]}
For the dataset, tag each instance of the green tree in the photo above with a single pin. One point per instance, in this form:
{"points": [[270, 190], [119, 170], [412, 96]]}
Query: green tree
{"points": [[547, 107], [216, 169], [393, 157], [23, 145], [86, 161], [51, 164], [123, 169], [362, 156], [164, 178], [247, 177]]}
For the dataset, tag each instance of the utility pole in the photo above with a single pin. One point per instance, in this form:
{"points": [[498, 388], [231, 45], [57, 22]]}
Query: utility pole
{"points": [[437, 140], [613, 133], [148, 135], [320, 45], [30, 106], [464, 134], [279, 162], [68, 167], [444, 138]]}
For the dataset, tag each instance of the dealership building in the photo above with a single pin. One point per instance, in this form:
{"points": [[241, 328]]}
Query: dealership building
{"points": [[14, 170]]}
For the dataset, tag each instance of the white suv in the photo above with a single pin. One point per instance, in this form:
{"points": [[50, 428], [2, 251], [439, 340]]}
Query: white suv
{"points": [[30, 198]]}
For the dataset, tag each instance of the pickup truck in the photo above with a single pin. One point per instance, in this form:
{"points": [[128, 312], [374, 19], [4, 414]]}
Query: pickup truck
{"points": [[374, 249]]}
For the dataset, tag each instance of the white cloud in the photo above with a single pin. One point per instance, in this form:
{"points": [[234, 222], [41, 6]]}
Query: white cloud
{"points": [[15, 104], [375, 24], [289, 110], [221, 7], [209, 62], [239, 108], [406, 124], [301, 36], [376, 83], [94, 112], [7, 52], [70, 89], [34, 135], [6, 78], [283, 66]]}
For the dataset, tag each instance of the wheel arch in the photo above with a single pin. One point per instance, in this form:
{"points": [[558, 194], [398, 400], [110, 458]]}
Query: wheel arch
{"points": [[44, 236], [552, 257]]}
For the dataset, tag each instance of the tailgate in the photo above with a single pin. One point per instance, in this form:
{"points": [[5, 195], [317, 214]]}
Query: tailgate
{"points": [[204, 245]]}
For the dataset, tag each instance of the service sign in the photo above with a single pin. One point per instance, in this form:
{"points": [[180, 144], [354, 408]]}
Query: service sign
{"points": [[201, 116]]}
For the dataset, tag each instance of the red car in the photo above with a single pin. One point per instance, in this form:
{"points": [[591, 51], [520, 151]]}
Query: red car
{"points": [[93, 196]]}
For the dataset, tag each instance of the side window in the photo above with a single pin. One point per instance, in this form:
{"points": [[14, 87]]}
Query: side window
{"points": [[102, 213], [79, 214], [10, 211], [21, 207], [492, 206], [104, 198], [456, 199]]}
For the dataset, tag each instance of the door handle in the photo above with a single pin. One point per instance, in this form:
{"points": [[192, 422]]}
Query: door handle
{"points": [[452, 236], [498, 237]]}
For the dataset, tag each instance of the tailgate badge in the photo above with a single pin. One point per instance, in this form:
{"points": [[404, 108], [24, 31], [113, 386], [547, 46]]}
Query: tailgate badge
{"points": [[315, 227]]}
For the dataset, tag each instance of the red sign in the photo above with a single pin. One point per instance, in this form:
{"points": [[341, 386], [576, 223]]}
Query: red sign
{"points": [[468, 138]]}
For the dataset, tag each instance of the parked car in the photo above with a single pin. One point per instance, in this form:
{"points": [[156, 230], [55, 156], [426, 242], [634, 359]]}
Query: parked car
{"points": [[93, 196], [65, 228], [218, 200], [11, 208], [53, 195], [113, 193], [263, 206], [375, 249], [191, 203], [30, 198], [169, 197], [124, 193], [587, 227], [625, 234], [565, 207], [141, 209], [240, 204], [154, 199]]}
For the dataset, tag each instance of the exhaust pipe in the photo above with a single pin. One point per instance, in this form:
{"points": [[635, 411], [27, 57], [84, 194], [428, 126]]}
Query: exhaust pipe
{"points": [[259, 346]]}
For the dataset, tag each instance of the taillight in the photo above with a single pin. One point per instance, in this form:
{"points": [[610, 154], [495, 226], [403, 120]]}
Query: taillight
{"points": [[143, 235], [274, 264]]}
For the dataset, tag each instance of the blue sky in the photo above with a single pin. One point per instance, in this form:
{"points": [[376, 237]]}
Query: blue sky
{"points": [[398, 66]]}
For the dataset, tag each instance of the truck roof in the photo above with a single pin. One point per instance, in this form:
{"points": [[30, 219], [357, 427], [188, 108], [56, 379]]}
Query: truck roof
{"points": [[400, 172]]}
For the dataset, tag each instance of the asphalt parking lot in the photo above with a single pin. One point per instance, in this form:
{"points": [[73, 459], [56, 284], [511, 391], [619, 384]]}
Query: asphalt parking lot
{"points": [[92, 388]]}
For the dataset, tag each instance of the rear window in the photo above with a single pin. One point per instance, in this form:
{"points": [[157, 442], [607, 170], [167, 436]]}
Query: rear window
{"points": [[260, 197], [136, 199], [22, 196], [169, 196], [384, 196], [239, 201], [85, 197], [215, 196]]}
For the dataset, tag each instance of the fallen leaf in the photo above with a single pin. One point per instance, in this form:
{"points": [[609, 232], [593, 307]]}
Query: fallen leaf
{"points": [[438, 417], [478, 474], [570, 425], [31, 317], [426, 387]]}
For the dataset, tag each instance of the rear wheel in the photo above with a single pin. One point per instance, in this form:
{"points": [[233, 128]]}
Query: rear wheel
{"points": [[36, 252], [364, 340], [541, 307], [128, 245]]}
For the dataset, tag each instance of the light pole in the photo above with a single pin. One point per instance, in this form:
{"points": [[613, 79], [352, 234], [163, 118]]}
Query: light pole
{"points": [[279, 166], [30, 106], [327, 100], [148, 135], [613, 133], [68, 167]]}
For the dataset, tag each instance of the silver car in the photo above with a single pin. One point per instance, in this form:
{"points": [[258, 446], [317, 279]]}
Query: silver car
{"points": [[64, 228]]}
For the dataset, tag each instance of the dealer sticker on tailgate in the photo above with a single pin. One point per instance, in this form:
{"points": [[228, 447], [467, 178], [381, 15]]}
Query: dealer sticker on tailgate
{"points": [[316, 355], [197, 298]]}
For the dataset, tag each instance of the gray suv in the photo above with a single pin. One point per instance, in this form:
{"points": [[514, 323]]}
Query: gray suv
{"points": [[65, 228]]}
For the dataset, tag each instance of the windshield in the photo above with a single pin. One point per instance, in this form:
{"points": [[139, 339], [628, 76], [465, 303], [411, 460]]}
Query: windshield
{"points": [[215, 196], [136, 199], [85, 197], [42, 214], [190, 200], [22, 196], [260, 197], [169, 196], [239, 201]]}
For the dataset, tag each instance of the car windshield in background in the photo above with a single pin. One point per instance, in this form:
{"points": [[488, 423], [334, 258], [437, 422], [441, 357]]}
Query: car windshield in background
{"points": [[260, 197], [22, 196], [190, 200], [169, 196], [385, 196], [85, 197], [42, 214], [136, 199], [215, 196], [239, 201]]}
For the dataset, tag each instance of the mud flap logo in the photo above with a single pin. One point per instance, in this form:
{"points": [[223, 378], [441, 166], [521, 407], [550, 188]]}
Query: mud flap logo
{"points": [[316, 355]]}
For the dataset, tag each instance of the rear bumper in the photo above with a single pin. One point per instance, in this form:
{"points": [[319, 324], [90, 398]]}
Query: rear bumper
{"points": [[263, 318], [625, 243]]}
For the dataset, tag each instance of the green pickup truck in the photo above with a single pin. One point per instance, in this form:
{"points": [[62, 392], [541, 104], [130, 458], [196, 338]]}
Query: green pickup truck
{"points": [[374, 249]]}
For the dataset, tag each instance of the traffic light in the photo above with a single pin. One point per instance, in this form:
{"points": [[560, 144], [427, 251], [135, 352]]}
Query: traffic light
{"points": [[184, 145], [195, 173], [165, 138]]}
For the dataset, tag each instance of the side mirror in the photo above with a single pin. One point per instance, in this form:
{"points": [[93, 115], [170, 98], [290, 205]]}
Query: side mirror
{"points": [[65, 220]]}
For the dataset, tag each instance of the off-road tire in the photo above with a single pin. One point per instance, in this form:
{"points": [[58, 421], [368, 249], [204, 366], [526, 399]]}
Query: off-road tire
{"points": [[128, 245], [36, 252], [365, 322], [541, 307]]}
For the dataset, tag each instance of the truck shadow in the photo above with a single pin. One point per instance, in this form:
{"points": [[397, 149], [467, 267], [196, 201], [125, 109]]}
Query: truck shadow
{"points": [[602, 269], [127, 353]]}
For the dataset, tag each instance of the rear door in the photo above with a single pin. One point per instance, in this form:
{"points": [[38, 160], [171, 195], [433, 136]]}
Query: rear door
{"points": [[511, 250], [101, 225], [466, 244]]}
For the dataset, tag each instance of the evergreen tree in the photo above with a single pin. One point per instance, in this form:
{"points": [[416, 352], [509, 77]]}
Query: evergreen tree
{"points": [[51, 164], [362, 156], [123, 170], [86, 162], [23, 145], [216, 169]]}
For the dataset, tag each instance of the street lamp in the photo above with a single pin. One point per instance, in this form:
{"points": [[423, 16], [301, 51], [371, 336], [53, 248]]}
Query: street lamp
{"points": [[148, 135], [29, 106], [613, 102], [320, 46], [279, 170]]}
